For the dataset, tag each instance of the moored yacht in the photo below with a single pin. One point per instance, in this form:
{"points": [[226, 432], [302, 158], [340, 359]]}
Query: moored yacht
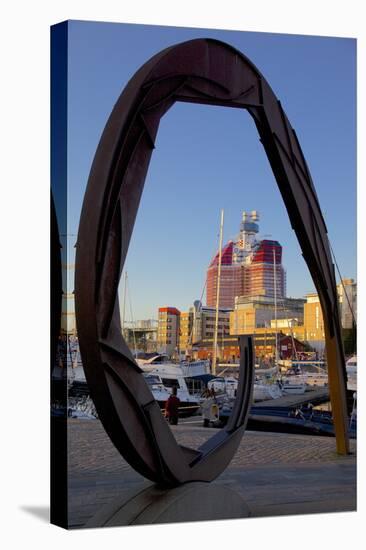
{"points": [[262, 390], [312, 373], [163, 378], [189, 368], [293, 382], [351, 369]]}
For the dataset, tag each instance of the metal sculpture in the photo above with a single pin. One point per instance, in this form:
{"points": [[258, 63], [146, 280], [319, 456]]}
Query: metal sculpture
{"points": [[198, 71]]}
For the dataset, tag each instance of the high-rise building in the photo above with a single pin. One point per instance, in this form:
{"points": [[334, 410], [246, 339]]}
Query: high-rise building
{"points": [[230, 279], [249, 267], [168, 330], [264, 272]]}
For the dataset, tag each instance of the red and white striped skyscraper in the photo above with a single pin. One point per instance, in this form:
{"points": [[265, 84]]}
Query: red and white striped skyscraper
{"points": [[249, 267]]}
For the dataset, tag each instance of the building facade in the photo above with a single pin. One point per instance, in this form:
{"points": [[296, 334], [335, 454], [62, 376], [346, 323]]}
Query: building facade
{"points": [[204, 319], [264, 275], [198, 325], [230, 279], [168, 330], [314, 323], [264, 341], [141, 336], [68, 318], [186, 331], [347, 297], [260, 312], [313, 315]]}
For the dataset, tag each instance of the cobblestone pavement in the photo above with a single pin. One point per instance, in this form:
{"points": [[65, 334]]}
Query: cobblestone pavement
{"points": [[275, 473]]}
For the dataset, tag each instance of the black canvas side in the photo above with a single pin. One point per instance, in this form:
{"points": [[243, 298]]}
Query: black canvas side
{"points": [[59, 492]]}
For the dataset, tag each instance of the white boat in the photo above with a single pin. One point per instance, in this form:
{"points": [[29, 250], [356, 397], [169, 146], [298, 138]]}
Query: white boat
{"points": [[152, 361], [224, 385], [292, 386], [189, 368], [262, 391], [293, 381], [162, 379], [311, 373], [265, 391], [351, 365], [351, 369], [315, 379]]}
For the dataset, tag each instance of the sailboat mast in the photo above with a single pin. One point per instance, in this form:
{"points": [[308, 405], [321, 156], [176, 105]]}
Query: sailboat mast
{"points": [[214, 359], [124, 304], [293, 342], [275, 303]]}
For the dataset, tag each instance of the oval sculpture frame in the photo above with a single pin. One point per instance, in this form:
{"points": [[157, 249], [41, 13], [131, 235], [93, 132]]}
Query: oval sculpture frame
{"points": [[198, 71]]}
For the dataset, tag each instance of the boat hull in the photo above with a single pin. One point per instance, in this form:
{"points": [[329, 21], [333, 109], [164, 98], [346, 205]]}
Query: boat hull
{"points": [[185, 410]]}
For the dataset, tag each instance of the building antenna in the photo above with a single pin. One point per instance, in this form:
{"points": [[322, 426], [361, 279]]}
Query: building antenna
{"points": [[214, 359]]}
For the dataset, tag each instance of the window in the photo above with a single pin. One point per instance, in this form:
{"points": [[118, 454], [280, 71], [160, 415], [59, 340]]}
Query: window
{"points": [[170, 382], [151, 379]]}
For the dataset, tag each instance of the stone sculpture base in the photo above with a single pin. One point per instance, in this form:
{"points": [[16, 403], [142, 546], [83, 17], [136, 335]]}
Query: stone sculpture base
{"points": [[194, 501]]}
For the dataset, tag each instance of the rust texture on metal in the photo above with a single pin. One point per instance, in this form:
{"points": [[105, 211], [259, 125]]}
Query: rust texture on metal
{"points": [[198, 71]]}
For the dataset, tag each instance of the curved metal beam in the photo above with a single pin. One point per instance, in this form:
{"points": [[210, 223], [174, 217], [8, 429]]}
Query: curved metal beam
{"points": [[199, 71]]}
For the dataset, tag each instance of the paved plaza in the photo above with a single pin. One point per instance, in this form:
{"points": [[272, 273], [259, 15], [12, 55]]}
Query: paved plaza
{"points": [[275, 473]]}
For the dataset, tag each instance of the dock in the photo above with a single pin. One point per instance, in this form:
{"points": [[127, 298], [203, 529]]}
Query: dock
{"points": [[275, 473], [316, 397]]}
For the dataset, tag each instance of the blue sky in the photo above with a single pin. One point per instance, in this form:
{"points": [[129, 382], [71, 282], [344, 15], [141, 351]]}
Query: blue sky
{"points": [[208, 158]]}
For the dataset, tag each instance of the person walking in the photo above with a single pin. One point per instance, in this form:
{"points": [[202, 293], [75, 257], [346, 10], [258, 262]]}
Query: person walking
{"points": [[172, 407]]}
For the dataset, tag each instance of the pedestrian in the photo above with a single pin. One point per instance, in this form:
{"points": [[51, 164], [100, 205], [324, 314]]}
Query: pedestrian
{"points": [[172, 407]]}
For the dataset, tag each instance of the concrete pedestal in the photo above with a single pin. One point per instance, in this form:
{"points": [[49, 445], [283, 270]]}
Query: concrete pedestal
{"points": [[193, 501]]}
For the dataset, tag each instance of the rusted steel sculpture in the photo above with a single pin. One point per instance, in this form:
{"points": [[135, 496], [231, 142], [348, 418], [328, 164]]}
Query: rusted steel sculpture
{"points": [[198, 71]]}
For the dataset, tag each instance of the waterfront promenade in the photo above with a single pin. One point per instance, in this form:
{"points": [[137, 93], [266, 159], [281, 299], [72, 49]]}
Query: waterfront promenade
{"points": [[275, 473]]}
